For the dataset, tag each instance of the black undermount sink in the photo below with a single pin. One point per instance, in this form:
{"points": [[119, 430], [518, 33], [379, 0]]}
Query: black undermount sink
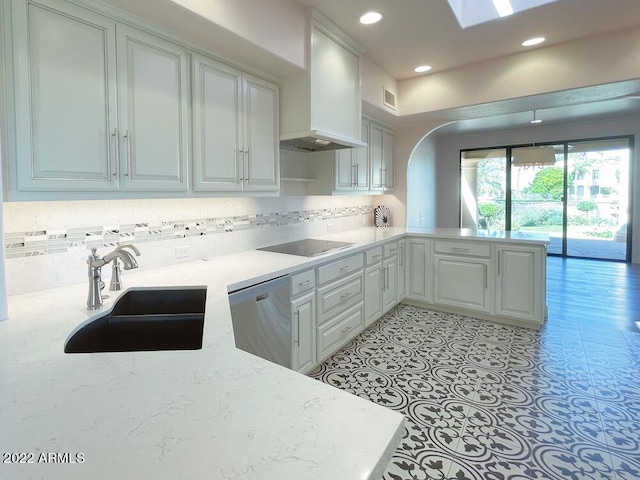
{"points": [[143, 320]]}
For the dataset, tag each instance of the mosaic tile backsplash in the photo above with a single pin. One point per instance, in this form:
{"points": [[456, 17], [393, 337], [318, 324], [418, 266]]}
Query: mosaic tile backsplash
{"points": [[44, 242]]}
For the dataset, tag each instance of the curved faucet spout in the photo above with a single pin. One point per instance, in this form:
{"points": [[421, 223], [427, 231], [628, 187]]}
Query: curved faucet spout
{"points": [[128, 261]]}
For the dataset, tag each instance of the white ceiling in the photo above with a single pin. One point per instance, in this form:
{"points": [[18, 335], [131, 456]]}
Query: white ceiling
{"points": [[415, 32]]}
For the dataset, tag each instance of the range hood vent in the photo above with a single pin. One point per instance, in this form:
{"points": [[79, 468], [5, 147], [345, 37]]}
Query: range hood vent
{"points": [[314, 141]]}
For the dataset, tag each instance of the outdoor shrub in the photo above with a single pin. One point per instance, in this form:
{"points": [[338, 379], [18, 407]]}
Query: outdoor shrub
{"points": [[579, 220], [587, 206], [599, 233]]}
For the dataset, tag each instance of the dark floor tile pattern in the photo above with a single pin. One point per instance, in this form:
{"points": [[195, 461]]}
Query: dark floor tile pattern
{"points": [[487, 401]]}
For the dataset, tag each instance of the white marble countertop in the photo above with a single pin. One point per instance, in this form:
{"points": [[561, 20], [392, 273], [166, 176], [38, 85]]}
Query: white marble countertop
{"points": [[212, 413]]}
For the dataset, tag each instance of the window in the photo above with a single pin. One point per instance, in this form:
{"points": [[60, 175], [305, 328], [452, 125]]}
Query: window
{"points": [[580, 191], [594, 190], [580, 175], [595, 174]]}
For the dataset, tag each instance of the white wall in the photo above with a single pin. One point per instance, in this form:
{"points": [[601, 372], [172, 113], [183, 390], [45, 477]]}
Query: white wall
{"points": [[374, 79], [596, 60], [448, 160]]}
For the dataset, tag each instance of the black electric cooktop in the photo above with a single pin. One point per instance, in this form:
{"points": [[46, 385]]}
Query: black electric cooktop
{"points": [[308, 247]]}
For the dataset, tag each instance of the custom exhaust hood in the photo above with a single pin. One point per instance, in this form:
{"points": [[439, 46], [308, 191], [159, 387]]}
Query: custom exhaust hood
{"points": [[321, 108]]}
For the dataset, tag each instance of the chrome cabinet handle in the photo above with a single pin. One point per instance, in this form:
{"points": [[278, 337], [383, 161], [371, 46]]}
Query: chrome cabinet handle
{"points": [[346, 267], [240, 164], [246, 166], [386, 277], [383, 183], [402, 256], [459, 249], [376, 256], [127, 137], [498, 264], [297, 340], [302, 284], [354, 178], [262, 297], [357, 175], [346, 295], [116, 152]]}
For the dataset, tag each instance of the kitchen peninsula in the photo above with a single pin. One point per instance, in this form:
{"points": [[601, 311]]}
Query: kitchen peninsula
{"points": [[219, 412]]}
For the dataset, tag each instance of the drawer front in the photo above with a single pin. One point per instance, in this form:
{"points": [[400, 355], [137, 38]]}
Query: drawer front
{"points": [[335, 334], [336, 297], [374, 255], [475, 249], [390, 249], [302, 282], [339, 268]]}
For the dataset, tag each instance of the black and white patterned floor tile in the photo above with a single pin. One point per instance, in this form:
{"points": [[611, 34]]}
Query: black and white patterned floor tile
{"points": [[486, 401]]}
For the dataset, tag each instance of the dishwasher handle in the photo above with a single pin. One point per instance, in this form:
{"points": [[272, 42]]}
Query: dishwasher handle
{"points": [[262, 297]]}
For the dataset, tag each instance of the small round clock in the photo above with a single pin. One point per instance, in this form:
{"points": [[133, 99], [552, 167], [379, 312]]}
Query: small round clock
{"points": [[382, 216]]}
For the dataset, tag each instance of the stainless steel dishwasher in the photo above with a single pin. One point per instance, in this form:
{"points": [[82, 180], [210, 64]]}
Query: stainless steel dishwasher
{"points": [[261, 316]]}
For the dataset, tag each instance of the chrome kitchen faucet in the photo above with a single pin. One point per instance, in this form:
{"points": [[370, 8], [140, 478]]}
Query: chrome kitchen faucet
{"points": [[95, 263]]}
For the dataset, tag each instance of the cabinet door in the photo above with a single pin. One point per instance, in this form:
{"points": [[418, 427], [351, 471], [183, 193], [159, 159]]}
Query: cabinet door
{"points": [[390, 292], [361, 160], [153, 89], [462, 282], [402, 291], [388, 148], [418, 277], [217, 125], [261, 134], [375, 156], [344, 169], [519, 288], [372, 294], [303, 327], [65, 98]]}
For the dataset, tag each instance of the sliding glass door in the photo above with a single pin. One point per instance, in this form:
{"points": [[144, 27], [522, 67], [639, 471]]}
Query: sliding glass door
{"points": [[576, 191], [537, 192]]}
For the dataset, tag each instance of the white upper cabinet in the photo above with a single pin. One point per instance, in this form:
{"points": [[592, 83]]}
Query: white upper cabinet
{"points": [[218, 154], [65, 98], [381, 156], [352, 166], [104, 107], [80, 125], [153, 115], [261, 148], [235, 129]]}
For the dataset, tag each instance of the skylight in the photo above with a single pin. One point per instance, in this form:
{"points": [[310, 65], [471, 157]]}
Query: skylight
{"points": [[475, 12]]}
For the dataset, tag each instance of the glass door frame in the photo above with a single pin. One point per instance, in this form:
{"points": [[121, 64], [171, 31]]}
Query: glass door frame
{"points": [[565, 144]]}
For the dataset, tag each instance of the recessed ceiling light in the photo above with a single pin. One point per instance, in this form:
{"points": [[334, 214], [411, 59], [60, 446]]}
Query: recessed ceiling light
{"points": [[422, 68], [533, 41], [370, 17]]}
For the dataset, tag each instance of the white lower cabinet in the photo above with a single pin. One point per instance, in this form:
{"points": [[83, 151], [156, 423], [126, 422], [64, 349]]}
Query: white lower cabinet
{"points": [[390, 282], [372, 298], [520, 281], [336, 332], [419, 275], [402, 270], [462, 282], [303, 332]]}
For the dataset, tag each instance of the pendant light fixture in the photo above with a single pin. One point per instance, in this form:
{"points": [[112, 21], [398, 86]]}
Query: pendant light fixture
{"points": [[534, 156]]}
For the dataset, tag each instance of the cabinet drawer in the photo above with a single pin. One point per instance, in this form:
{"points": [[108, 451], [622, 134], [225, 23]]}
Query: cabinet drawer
{"points": [[336, 297], [301, 282], [390, 249], [475, 249], [374, 255], [337, 269], [336, 333]]}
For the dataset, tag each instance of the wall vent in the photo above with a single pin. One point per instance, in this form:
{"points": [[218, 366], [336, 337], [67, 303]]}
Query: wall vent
{"points": [[389, 98]]}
